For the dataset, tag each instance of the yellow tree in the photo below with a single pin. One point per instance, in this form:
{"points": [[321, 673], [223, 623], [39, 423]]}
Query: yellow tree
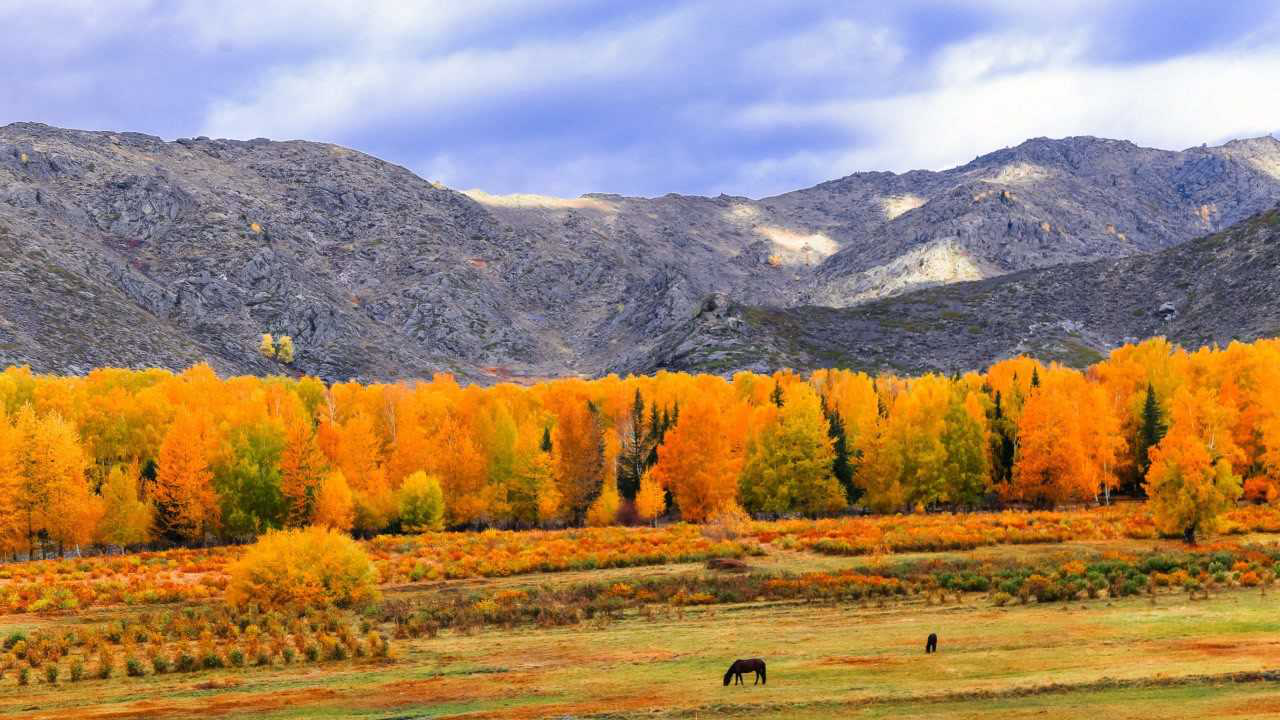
{"points": [[11, 516], [284, 349], [1191, 481], [185, 499], [909, 461], [697, 462], [359, 457], [302, 467], [334, 507], [126, 517], [267, 348], [789, 466], [579, 453], [651, 501], [1067, 448], [73, 511], [530, 477], [421, 503], [51, 493], [604, 509], [463, 472]]}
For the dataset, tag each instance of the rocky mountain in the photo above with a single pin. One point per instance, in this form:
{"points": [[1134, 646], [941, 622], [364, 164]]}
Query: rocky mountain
{"points": [[1212, 290], [123, 249], [1044, 202]]}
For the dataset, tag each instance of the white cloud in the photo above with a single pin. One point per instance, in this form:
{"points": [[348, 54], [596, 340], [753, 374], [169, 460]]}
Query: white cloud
{"points": [[331, 96], [1171, 104], [840, 47]]}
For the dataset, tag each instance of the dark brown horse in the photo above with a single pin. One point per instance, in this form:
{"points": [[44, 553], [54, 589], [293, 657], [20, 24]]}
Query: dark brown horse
{"points": [[755, 665]]}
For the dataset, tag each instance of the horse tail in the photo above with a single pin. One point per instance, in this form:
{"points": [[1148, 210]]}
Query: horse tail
{"points": [[763, 680]]}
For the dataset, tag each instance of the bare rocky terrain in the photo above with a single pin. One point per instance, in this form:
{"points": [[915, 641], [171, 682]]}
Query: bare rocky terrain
{"points": [[122, 249]]}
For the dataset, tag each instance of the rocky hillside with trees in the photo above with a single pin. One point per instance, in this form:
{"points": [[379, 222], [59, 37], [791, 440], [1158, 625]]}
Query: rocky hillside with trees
{"points": [[1212, 290]]}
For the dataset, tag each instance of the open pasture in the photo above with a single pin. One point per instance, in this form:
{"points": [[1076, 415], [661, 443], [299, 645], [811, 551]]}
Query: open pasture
{"points": [[1130, 627]]}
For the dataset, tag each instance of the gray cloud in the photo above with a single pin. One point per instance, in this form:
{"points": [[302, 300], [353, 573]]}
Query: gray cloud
{"points": [[574, 96]]}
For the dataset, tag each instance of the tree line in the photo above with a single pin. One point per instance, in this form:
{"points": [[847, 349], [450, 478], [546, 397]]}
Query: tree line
{"points": [[123, 457]]}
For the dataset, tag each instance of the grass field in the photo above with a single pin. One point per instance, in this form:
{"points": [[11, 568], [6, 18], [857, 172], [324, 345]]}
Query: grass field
{"points": [[1139, 657]]}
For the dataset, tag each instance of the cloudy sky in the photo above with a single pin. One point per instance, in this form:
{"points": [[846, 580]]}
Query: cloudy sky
{"points": [[571, 96]]}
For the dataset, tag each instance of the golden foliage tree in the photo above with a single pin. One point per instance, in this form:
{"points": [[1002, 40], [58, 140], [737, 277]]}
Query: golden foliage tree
{"points": [[421, 503], [126, 517], [302, 466], [579, 454], [185, 499], [11, 515], [697, 462], [334, 506], [1191, 481], [604, 509], [284, 349], [651, 500], [300, 568], [789, 467], [1061, 455]]}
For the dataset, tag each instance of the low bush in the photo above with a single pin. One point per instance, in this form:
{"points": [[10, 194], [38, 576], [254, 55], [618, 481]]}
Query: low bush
{"points": [[300, 568]]}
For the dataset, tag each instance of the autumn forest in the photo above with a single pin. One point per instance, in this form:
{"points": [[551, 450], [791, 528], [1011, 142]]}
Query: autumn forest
{"points": [[123, 458]]}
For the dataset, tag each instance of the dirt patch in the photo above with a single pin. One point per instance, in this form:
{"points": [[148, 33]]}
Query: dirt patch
{"points": [[610, 705], [403, 693], [864, 661], [211, 706], [1225, 649], [728, 564], [1254, 708], [219, 684]]}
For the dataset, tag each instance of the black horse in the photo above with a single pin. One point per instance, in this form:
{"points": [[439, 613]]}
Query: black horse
{"points": [[931, 645], [755, 665]]}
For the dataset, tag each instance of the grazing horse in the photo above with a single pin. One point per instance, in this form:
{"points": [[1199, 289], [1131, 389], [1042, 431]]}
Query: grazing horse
{"points": [[931, 645], [755, 665]]}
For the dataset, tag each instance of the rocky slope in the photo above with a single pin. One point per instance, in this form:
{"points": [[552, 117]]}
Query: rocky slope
{"points": [[1044, 202], [1215, 289], [122, 249]]}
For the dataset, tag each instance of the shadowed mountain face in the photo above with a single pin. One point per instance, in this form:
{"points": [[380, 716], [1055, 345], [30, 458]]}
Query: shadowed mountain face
{"points": [[122, 249]]}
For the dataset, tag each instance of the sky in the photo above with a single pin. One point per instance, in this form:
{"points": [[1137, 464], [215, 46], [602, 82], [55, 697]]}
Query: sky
{"points": [[564, 97]]}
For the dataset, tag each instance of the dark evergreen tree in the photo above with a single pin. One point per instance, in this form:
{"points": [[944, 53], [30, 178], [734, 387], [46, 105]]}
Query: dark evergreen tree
{"points": [[1002, 439], [1151, 431], [776, 395], [546, 439], [633, 456], [842, 464]]}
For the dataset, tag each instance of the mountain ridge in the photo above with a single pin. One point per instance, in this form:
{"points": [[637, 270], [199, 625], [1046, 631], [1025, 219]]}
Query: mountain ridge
{"points": [[125, 249]]}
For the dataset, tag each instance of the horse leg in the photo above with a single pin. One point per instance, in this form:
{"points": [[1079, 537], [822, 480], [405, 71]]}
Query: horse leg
{"points": [[757, 682]]}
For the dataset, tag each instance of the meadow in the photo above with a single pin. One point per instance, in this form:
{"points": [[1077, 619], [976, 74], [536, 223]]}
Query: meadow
{"points": [[1069, 613]]}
